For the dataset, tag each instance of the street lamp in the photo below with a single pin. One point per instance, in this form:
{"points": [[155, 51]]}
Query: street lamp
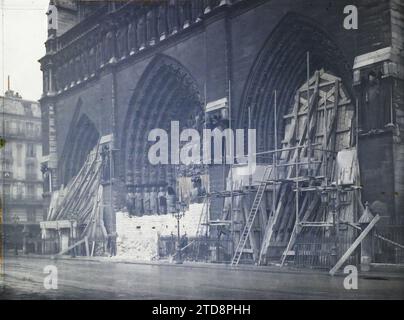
{"points": [[16, 219], [178, 214], [72, 219]]}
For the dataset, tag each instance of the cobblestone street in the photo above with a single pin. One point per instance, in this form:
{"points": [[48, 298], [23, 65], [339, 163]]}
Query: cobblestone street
{"points": [[84, 279]]}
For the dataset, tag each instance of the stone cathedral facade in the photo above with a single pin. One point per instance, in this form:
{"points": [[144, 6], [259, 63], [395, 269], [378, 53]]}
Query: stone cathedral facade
{"points": [[121, 68]]}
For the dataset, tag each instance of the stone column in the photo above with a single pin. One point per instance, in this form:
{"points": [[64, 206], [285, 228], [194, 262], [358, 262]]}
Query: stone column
{"points": [[378, 87], [132, 38], [162, 22], [139, 210], [186, 13], [141, 32], [173, 17], [146, 202]]}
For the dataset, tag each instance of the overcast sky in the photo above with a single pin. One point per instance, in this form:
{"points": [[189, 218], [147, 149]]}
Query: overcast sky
{"points": [[23, 26]]}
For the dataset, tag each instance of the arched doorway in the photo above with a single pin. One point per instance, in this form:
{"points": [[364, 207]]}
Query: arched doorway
{"points": [[82, 138], [166, 93], [281, 66]]}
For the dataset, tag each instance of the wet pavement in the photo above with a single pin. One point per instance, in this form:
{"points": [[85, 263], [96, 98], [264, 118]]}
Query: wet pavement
{"points": [[83, 279]]}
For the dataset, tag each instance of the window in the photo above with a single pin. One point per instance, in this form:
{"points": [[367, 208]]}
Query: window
{"points": [[30, 128], [19, 155], [6, 189], [31, 215], [30, 191], [8, 147], [21, 128], [6, 165], [10, 127], [30, 150], [30, 168]]}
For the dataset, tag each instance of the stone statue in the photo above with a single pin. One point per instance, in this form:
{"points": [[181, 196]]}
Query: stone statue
{"points": [[121, 43], [132, 38], [153, 200], [138, 199], [162, 22], [130, 201], [151, 29], [146, 201], [171, 200], [141, 33], [173, 16], [109, 47], [375, 106]]}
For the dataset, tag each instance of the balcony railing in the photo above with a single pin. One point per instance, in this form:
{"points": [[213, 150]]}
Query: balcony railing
{"points": [[6, 154], [31, 176], [21, 198], [28, 134]]}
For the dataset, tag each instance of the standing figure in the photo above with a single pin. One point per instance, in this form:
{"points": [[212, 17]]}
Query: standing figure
{"points": [[130, 201], [171, 200], [153, 200], [112, 243], [162, 201], [146, 201], [139, 210]]}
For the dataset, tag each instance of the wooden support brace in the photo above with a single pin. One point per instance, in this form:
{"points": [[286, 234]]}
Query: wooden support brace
{"points": [[72, 246], [354, 245], [87, 246]]}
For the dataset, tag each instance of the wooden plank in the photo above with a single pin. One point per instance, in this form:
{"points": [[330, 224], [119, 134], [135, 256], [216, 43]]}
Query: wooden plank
{"points": [[80, 182], [263, 212], [285, 189], [251, 239], [92, 249], [70, 247], [87, 246], [307, 212], [354, 245]]}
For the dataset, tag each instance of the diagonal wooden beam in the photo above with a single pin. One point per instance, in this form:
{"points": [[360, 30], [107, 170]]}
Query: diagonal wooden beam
{"points": [[291, 158], [354, 245], [84, 240]]}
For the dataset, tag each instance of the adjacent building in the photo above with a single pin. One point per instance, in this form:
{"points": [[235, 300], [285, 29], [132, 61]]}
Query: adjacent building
{"points": [[21, 177]]}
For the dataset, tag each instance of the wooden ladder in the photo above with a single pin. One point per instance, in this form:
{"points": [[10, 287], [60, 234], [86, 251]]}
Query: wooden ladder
{"points": [[199, 229], [251, 217]]}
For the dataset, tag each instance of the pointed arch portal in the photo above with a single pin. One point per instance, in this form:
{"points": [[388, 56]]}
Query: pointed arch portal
{"points": [[281, 66], [166, 92], [81, 139]]}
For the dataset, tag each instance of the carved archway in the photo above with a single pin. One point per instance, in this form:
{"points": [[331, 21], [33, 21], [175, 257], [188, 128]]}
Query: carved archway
{"points": [[166, 92], [81, 139], [281, 66]]}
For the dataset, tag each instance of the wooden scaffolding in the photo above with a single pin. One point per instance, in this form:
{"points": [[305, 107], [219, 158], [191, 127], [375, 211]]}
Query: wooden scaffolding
{"points": [[81, 203], [310, 187]]}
